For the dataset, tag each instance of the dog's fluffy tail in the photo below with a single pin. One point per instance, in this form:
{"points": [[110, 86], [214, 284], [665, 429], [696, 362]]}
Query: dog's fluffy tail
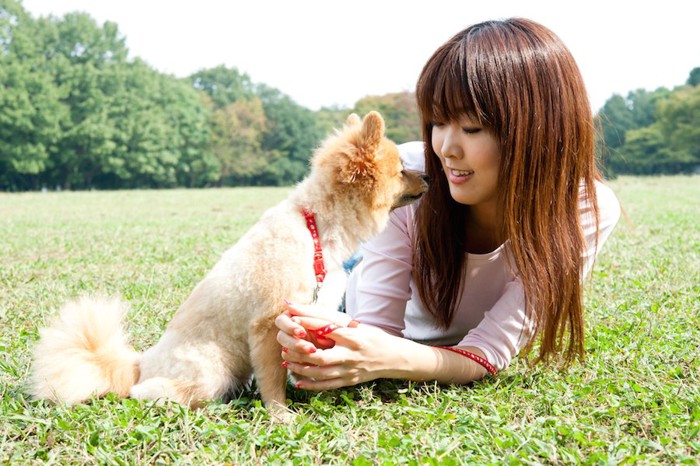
{"points": [[84, 353]]}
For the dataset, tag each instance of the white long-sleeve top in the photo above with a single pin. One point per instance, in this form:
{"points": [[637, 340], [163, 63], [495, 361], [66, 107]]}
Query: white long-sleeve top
{"points": [[491, 313]]}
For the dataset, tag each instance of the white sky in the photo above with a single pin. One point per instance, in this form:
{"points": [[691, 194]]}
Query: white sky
{"points": [[326, 52]]}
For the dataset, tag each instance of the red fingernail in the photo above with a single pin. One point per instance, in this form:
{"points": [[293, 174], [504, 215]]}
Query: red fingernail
{"points": [[312, 349], [284, 349], [300, 333], [297, 385], [285, 364]]}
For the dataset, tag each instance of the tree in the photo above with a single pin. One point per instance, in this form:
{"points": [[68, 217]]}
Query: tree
{"points": [[330, 118], [84, 60], [30, 106], [643, 151], [30, 115], [679, 121], [694, 77], [197, 165], [237, 141], [128, 125], [620, 116], [292, 131], [616, 119], [223, 85], [400, 113], [663, 140]]}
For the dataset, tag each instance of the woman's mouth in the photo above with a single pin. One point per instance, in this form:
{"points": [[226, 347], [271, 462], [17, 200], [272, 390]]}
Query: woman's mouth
{"points": [[459, 176]]}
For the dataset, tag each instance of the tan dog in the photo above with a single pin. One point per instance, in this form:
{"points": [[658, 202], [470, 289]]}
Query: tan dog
{"points": [[225, 333]]}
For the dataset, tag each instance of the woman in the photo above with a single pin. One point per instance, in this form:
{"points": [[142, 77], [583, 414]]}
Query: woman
{"points": [[495, 253]]}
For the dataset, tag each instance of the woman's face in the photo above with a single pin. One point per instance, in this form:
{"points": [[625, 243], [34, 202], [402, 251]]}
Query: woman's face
{"points": [[470, 155]]}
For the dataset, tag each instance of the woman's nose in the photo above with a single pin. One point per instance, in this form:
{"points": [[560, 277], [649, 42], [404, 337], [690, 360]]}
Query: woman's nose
{"points": [[450, 142]]}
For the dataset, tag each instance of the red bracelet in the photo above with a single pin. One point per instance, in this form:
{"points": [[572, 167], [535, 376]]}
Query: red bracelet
{"points": [[325, 330], [474, 357]]}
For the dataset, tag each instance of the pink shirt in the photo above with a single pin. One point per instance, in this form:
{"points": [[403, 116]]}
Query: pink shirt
{"points": [[491, 314]]}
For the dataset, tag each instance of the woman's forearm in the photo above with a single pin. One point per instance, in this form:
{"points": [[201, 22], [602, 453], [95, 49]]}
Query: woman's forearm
{"points": [[414, 361], [362, 353]]}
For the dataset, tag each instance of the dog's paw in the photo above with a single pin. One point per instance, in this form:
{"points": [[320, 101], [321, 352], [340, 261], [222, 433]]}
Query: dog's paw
{"points": [[157, 388], [280, 414]]}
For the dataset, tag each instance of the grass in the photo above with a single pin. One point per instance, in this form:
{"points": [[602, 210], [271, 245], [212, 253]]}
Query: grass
{"points": [[635, 400]]}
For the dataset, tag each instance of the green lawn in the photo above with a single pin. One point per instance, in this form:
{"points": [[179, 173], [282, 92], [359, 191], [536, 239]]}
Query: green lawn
{"points": [[635, 400]]}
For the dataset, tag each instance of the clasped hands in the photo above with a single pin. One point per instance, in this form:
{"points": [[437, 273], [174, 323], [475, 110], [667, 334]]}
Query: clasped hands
{"points": [[328, 350]]}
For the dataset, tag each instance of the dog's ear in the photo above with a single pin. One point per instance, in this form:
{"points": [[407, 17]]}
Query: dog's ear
{"points": [[361, 164], [353, 120], [372, 132]]}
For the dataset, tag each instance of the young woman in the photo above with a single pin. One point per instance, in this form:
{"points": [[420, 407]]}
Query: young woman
{"points": [[495, 254]]}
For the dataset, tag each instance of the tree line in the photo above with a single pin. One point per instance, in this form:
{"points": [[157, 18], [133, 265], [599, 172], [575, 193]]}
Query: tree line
{"points": [[652, 132], [76, 112]]}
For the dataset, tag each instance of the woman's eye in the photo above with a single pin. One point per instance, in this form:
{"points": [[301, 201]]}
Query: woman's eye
{"points": [[471, 130]]}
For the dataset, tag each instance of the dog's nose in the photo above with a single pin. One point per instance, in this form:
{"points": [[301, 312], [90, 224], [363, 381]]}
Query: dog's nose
{"points": [[426, 178]]}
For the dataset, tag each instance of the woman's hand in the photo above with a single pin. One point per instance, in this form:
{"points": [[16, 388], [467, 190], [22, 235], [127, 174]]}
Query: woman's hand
{"points": [[344, 356]]}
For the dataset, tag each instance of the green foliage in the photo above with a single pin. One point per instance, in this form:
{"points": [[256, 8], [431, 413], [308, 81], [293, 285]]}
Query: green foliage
{"points": [[77, 112], [260, 136], [30, 106], [694, 77], [293, 131], [237, 140], [635, 400], [400, 113], [328, 118], [616, 119], [30, 116], [652, 132], [223, 85]]}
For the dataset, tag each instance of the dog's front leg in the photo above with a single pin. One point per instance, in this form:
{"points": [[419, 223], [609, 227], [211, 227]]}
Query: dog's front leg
{"points": [[270, 376]]}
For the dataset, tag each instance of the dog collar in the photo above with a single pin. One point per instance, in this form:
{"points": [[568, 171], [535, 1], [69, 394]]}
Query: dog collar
{"points": [[319, 266]]}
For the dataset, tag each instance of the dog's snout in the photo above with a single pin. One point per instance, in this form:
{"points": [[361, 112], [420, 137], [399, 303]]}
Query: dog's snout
{"points": [[425, 178]]}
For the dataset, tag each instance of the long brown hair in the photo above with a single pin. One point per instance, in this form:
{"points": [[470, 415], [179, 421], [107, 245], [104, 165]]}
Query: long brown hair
{"points": [[520, 81]]}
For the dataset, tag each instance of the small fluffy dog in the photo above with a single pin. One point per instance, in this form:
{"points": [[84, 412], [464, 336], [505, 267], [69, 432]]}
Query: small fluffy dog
{"points": [[225, 332]]}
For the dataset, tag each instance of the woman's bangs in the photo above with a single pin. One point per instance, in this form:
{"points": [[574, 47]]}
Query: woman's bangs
{"points": [[445, 94]]}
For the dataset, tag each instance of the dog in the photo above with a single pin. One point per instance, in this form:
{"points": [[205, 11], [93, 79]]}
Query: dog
{"points": [[224, 334]]}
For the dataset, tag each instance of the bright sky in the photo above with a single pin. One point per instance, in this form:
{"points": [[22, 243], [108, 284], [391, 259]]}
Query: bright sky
{"points": [[334, 52]]}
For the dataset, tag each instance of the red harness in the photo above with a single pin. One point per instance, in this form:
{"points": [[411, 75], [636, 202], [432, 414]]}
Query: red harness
{"points": [[319, 266]]}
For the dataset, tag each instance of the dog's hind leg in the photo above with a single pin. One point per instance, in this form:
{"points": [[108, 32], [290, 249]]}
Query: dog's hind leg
{"points": [[164, 389], [270, 376]]}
